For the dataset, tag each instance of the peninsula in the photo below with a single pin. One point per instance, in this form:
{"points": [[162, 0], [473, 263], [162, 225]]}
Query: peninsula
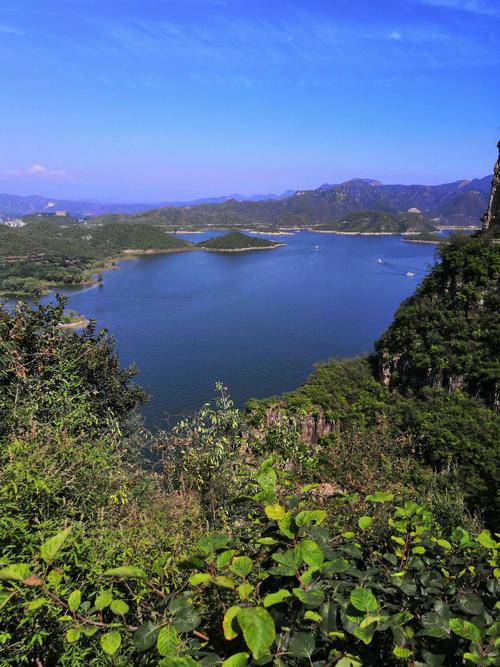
{"points": [[237, 242]]}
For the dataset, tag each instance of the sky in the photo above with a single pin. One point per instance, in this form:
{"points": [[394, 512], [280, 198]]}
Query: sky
{"points": [[168, 100]]}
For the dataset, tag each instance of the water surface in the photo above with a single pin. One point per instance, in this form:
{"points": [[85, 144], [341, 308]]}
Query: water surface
{"points": [[257, 321]]}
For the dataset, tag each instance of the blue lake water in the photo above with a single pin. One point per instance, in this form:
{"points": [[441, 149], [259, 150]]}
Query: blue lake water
{"points": [[257, 321]]}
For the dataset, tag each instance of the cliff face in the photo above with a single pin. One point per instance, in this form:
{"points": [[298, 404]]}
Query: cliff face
{"points": [[491, 219], [447, 334]]}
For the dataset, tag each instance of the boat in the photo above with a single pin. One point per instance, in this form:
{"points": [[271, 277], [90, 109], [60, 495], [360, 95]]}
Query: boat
{"points": [[380, 261], [316, 247], [410, 274]]}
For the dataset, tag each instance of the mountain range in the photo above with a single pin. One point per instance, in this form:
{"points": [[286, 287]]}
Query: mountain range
{"points": [[460, 203]]}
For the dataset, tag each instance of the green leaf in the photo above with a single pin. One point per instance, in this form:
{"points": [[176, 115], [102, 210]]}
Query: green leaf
{"points": [[275, 512], [200, 578], [465, 629], [213, 542], [110, 642], [363, 599], [311, 598], [484, 538], [365, 522], [74, 600], [285, 526], [53, 545], [301, 645], [104, 599], [310, 553], [276, 598], [380, 497], [335, 566], [258, 629], [365, 634], [245, 590], [119, 607], [17, 572], [241, 566], [401, 652], [224, 582], [167, 641], [236, 660], [73, 635], [145, 636], [308, 517], [129, 572], [178, 661], [230, 631], [225, 558], [313, 616]]}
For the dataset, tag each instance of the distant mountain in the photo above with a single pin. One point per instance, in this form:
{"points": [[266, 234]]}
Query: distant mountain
{"points": [[378, 222], [461, 203], [14, 205]]}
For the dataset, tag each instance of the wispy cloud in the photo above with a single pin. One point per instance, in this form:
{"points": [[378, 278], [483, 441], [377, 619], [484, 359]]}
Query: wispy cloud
{"points": [[10, 30], [35, 170], [484, 7]]}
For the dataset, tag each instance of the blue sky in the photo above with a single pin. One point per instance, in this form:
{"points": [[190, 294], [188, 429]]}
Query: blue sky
{"points": [[154, 100]]}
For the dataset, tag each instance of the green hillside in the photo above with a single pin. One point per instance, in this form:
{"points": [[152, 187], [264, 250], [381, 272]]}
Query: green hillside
{"points": [[377, 222], [236, 241]]}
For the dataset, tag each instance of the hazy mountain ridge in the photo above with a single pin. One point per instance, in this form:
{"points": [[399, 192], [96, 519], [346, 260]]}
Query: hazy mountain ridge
{"points": [[460, 202]]}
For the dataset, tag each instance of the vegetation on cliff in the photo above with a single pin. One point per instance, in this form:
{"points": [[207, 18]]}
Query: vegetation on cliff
{"points": [[379, 222]]}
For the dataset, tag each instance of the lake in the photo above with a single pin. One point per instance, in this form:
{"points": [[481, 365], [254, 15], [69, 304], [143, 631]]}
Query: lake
{"points": [[257, 321]]}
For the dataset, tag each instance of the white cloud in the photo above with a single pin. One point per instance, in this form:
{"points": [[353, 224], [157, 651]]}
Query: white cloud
{"points": [[395, 35], [485, 7], [35, 170]]}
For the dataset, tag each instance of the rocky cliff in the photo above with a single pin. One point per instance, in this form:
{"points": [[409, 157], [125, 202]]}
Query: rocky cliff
{"points": [[447, 334], [491, 219]]}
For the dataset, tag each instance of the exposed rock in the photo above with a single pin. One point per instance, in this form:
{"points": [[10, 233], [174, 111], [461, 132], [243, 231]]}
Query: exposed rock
{"points": [[312, 426], [491, 219]]}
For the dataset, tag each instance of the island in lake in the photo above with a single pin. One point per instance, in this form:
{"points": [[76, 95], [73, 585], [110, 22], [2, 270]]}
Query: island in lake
{"points": [[237, 242]]}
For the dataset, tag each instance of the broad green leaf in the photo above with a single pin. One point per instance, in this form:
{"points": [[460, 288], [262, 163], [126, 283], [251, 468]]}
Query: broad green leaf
{"points": [[145, 636], [363, 599], [401, 652], [475, 659], [313, 616], [241, 566], [17, 572], [178, 661], [224, 582], [258, 629], [302, 645], [118, 607], [104, 599], [128, 572], [213, 542], [364, 522], [6, 595], [236, 660], [365, 634], [200, 578], [74, 600], [73, 635], [245, 590], [228, 625], [349, 661], [311, 598], [276, 598], [110, 642], [275, 512], [484, 538], [310, 553], [465, 629], [266, 477], [53, 545], [308, 517], [167, 641], [335, 566], [285, 525], [225, 558], [379, 497]]}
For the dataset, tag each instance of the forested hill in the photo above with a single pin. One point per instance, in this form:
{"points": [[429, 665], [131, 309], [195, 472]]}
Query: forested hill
{"points": [[236, 241], [460, 203], [378, 222]]}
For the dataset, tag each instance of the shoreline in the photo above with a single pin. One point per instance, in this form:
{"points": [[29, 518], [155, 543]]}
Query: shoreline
{"points": [[269, 247]]}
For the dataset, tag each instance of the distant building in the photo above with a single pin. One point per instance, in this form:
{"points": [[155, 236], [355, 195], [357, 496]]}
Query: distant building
{"points": [[61, 214], [17, 222], [414, 210]]}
